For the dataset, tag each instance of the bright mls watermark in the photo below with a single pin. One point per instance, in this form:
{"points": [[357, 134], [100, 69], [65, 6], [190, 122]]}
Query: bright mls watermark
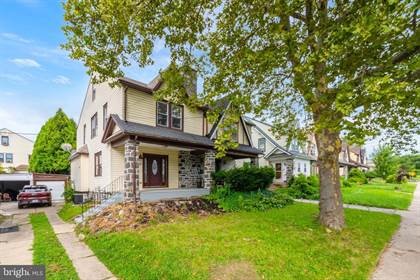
{"points": [[22, 272]]}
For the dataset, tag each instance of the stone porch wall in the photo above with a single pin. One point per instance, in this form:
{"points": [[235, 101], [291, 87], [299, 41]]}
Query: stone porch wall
{"points": [[191, 169]]}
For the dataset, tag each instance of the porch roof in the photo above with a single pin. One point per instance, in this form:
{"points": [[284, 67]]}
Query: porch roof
{"points": [[158, 135]]}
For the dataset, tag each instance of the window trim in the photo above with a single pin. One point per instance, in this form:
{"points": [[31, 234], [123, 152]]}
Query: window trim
{"points": [[105, 115], [278, 171], [98, 164], [169, 107], [96, 126], [6, 143], [9, 154], [265, 144], [2, 157]]}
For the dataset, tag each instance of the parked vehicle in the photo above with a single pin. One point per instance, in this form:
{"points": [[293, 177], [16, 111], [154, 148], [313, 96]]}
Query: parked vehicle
{"points": [[34, 194]]}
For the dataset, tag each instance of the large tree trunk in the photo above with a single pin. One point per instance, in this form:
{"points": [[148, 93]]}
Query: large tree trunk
{"points": [[330, 203]]}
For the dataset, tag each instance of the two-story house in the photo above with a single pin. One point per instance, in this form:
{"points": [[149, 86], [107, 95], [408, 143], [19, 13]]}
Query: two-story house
{"points": [[128, 140], [287, 160], [15, 151]]}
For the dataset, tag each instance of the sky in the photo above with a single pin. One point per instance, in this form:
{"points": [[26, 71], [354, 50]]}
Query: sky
{"points": [[37, 77]]}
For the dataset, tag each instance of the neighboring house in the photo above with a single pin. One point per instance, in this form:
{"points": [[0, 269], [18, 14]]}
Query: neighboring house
{"points": [[287, 160], [352, 156], [126, 138], [15, 151]]}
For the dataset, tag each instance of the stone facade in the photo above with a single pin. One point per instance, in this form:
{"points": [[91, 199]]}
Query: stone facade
{"points": [[132, 167], [191, 169], [209, 168], [288, 164]]}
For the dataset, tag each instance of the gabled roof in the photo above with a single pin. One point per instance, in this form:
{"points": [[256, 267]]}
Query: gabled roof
{"points": [[155, 134], [8, 131]]}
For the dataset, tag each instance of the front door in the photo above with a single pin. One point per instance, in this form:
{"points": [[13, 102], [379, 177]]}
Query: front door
{"points": [[155, 171]]}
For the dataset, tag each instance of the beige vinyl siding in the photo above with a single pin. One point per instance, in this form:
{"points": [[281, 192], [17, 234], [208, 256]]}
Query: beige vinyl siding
{"points": [[242, 138], [172, 163], [117, 162], [141, 108]]}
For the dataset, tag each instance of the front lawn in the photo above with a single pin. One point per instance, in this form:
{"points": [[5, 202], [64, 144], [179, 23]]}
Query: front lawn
{"points": [[47, 250], [380, 194], [283, 243], [69, 211]]}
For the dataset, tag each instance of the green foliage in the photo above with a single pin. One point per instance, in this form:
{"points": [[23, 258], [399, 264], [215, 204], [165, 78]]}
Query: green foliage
{"points": [[385, 161], [345, 183], [68, 192], [2, 169], [47, 155], [371, 174], [231, 201], [246, 178], [357, 176], [303, 187], [47, 250], [69, 211], [391, 179]]}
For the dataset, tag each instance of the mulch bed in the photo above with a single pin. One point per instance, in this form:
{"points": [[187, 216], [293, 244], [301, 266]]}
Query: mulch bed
{"points": [[129, 215]]}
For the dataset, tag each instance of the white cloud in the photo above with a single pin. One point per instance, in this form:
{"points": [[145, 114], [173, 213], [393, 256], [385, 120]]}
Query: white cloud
{"points": [[15, 37], [25, 62], [62, 80]]}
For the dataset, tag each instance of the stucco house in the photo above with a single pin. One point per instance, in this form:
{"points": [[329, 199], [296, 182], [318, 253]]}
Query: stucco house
{"points": [[287, 160], [15, 151], [128, 141]]}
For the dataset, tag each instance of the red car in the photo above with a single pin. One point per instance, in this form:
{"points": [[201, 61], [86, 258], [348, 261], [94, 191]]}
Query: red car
{"points": [[34, 194]]}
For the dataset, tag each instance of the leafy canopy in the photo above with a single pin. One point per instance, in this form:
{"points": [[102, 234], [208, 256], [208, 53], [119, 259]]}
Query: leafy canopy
{"points": [[386, 161], [48, 155], [351, 67]]}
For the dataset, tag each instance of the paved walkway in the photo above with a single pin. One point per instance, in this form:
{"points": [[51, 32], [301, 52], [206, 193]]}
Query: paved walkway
{"points": [[87, 265], [401, 260], [16, 247], [360, 207]]}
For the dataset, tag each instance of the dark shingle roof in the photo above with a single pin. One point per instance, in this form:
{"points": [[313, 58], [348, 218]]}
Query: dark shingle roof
{"points": [[171, 135]]}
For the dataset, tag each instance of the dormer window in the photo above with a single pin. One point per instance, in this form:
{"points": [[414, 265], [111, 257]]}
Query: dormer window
{"points": [[169, 115], [5, 140]]}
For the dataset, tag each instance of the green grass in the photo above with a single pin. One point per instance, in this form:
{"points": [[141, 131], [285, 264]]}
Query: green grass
{"points": [[47, 250], [283, 243], [69, 211], [380, 194], [2, 218]]}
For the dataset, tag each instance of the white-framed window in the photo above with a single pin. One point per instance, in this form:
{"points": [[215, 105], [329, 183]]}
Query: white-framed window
{"points": [[176, 116], [94, 126], [278, 167], [1, 157], [169, 115], [9, 158], [105, 114], [93, 94], [5, 140], [304, 168], [262, 144], [298, 166], [162, 114], [98, 164]]}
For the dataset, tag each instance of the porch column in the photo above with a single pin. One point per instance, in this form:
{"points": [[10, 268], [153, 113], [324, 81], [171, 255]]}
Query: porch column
{"points": [[132, 168], [346, 171], [289, 169], [209, 168]]}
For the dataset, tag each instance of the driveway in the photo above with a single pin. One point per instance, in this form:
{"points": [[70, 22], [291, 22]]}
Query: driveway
{"points": [[16, 247]]}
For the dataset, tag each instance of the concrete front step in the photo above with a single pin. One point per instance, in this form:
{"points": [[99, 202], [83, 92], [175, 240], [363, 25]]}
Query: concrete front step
{"points": [[166, 194]]}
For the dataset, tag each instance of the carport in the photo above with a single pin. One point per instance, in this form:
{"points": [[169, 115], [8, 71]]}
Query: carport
{"points": [[13, 183]]}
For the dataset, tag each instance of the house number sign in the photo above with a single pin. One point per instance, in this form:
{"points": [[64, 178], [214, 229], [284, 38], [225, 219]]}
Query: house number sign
{"points": [[154, 167]]}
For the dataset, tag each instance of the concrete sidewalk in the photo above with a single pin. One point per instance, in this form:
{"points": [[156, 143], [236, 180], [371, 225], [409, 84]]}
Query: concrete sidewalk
{"points": [[87, 265], [360, 207], [401, 260]]}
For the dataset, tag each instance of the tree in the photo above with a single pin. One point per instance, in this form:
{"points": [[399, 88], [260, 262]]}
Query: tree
{"points": [[336, 68], [47, 155], [386, 162]]}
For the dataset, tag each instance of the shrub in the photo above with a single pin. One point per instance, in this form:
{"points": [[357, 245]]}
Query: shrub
{"points": [[68, 192], [370, 175], [391, 179], [357, 176], [345, 183], [231, 201], [304, 187], [246, 178]]}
